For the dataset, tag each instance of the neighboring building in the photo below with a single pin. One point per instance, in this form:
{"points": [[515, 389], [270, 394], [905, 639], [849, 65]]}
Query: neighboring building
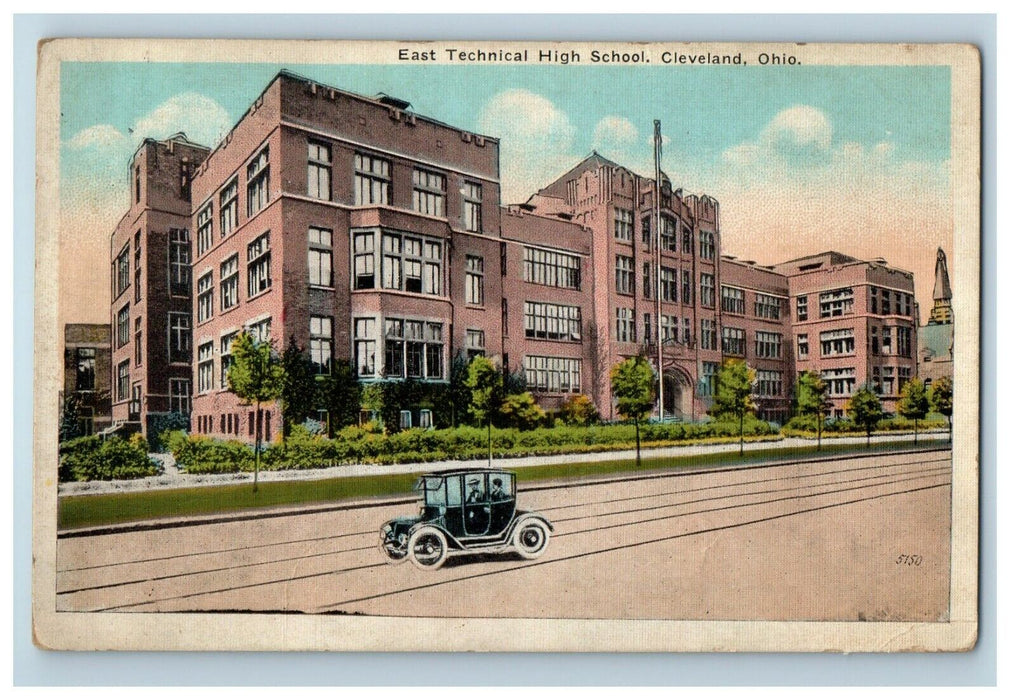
{"points": [[353, 225], [150, 310], [935, 340], [853, 321], [87, 374]]}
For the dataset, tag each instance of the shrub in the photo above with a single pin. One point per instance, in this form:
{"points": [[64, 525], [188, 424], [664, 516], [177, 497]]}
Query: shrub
{"points": [[578, 410], [521, 411], [160, 424], [116, 458]]}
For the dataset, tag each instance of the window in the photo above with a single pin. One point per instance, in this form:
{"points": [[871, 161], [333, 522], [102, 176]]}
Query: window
{"points": [[668, 234], [884, 306], [228, 209], [260, 331], [472, 197], [841, 380], [838, 302], [707, 334], [625, 325], [428, 192], [185, 178], [179, 336], [408, 263], [767, 306], [206, 297], [180, 396], [769, 383], [873, 300], [768, 345], [319, 257], [646, 230], [550, 268], [84, 378], [363, 260], [123, 380], [180, 262], [707, 249], [686, 287], [123, 325], [903, 341], [668, 284], [205, 367], [623, 224], [670, 329], [624, 275], [229, 282], [558, 375], [137, 267], [803, 346], [205, 229], [405, 419], [687, 332], [687, 241], [137, 186], [837, 342], [882, 380], [321, 344], [647, 281], [319, 170], [225, 358], [372, 180], [706, 290], [647, 328], [732, 300], [122, 271], [364, 346], [887, 341], [474, 343], [474, 280], [732, 341], [137, 341], [708, 380], [803, 308], [426, 418], [259, 264], [903, 376], [257, 183], [552, 321], [413, 349]]}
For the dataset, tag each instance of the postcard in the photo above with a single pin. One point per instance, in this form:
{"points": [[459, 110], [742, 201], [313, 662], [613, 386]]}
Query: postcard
{"points": [[514, 346]]}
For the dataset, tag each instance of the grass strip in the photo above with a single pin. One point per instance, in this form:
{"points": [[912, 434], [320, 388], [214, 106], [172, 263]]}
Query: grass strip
{"points": [[108, 509]]}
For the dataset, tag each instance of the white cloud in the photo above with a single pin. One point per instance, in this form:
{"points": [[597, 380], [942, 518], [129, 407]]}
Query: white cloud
{"points": [[613, 132], [98, 135], [203, 119], [536, 140]]}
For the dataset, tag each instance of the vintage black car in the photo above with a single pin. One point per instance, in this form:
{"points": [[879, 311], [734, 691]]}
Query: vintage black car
{"points": [[464, 511]]}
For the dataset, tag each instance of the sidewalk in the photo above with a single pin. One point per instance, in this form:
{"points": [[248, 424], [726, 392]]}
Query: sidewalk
{"points": [[172, 478]]}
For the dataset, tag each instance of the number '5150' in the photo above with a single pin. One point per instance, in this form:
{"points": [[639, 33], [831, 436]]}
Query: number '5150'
{"points": [[910, 559]]}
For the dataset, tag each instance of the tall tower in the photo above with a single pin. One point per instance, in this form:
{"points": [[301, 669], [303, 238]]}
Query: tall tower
{"points": [[942, 310]]}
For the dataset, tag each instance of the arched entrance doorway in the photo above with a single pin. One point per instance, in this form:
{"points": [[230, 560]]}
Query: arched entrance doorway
{"points": [[678, 395]]}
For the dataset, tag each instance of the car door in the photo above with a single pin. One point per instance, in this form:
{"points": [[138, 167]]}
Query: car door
{"points": [[503, 501], [476, 506]]}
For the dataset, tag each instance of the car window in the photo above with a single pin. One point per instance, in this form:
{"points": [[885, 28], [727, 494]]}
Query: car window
{"points": [[476, 488], [502, 486], [455, 490], [434, 491]]}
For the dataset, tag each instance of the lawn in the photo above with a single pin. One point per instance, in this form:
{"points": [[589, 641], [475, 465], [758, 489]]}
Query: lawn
{"points": [[109, 509]]}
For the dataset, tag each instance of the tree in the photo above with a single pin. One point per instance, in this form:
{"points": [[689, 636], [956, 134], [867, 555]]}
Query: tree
{"points": [[256, 376], [578, 410], [70, 419], [299, 387], [866, 410], [339, 394], [734, 395], [913, 402], [813, 401], [941, 399], [485, 383], [632, 383], [521, 411]]}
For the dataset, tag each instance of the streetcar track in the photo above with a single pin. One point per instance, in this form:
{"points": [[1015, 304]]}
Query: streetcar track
{"points": [[591, 516], [542, 510], [347, 570]]}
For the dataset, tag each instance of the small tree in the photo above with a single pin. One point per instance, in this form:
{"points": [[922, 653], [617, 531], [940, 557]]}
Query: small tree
{"points": [[70, 420], [734, 395], [632, 383], [299, 387], [578, 410], [941, 399], [256, 376], [813, 401], [866, 410], [521, 411], [485, 383], [913, 402], [339, 394], [372, 399]]}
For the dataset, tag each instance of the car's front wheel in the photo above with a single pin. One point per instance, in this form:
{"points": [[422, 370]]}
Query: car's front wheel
{"points": [[531, 538], [428, 548]]}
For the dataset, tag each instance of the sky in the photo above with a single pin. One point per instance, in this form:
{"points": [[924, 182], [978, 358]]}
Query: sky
{"points": [[801, 158]]}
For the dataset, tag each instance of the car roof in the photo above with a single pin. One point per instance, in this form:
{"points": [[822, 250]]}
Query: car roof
{"points": [[456, 472]]}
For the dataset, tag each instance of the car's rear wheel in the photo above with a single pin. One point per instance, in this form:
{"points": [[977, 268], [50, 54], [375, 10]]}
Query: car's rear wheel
{"points": [[428, 548], [531, 538]]}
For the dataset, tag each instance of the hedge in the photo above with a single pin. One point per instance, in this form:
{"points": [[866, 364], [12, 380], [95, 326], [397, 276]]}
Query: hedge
{"points": [[303, 450], [805, 426], [89, 459]]}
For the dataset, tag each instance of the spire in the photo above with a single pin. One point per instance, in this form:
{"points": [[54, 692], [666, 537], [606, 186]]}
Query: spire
{"points": [[942, 310]]}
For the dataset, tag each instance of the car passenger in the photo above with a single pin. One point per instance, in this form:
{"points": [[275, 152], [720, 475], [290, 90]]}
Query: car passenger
{"points": [[475, 495], [497, 492]]}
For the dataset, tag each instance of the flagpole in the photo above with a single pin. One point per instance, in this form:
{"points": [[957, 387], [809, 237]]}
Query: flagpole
{"points": [[660, 318]]}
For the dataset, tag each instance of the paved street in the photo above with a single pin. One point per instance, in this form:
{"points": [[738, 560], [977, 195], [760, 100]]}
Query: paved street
{"points": [[817, 541]]}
